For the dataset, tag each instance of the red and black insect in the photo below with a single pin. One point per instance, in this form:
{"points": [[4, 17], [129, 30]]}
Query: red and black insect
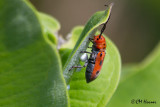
{"points": [[97, 54]]}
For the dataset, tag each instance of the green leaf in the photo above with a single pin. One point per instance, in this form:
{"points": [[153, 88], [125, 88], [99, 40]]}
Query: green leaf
{"points": [[73, 37], [96, 20], [66, 48], [30, 67], [140, 81], [64, 53], [98, 92], [50, 27]]}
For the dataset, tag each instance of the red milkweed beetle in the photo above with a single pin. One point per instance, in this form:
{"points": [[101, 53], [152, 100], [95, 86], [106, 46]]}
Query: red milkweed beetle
{"points": [[97, 54]]}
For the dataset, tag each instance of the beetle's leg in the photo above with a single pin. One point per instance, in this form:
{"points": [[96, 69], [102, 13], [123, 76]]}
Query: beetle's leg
{"points": [[86, 52], [75, 67], [79, 66], [90, 39]]}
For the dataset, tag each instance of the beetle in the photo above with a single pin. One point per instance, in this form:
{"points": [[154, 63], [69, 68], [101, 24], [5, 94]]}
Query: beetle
{"points": [[97, 54]]}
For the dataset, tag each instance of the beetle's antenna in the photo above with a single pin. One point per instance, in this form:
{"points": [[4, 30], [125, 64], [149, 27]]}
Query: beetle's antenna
{"points": [[104, 26]]}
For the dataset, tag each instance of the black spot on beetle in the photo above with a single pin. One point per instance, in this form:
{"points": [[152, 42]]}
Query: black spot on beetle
{"points": [[104, 48], [97, 72], [97, 39], [100, 62], [101, 54]]}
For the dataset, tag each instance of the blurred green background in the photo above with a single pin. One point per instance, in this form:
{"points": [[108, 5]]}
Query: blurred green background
{"points": [[133, 26]]}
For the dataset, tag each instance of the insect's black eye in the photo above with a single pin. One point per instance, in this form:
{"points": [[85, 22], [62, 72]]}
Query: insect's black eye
{"points": [[97, 72]]}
